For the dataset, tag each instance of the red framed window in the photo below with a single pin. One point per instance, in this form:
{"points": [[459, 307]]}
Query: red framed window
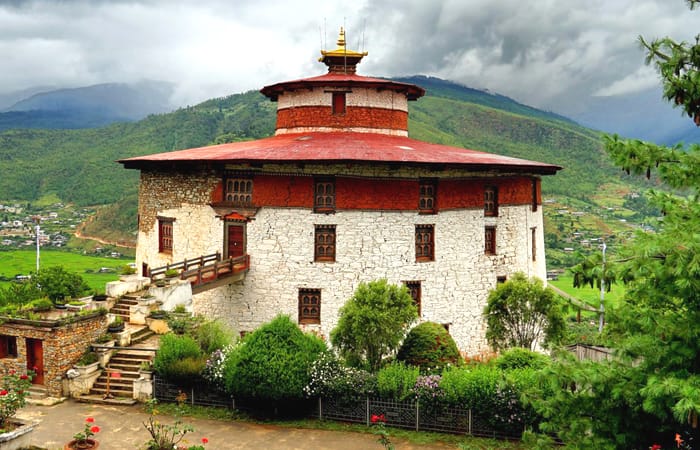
{"points": [[426, 196], [414, 289], [310, 306], [239, 191], [425, 243], [491, 201], [165, 235], [324, 248], [338, 102], [490, 240], [324, 195]]}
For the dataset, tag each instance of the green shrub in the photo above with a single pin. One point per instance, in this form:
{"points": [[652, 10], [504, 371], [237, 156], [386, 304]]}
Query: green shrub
{"points": [[214, 335], [397, 381], [41, 304], [471, 387], [88, 358], [273, 362], [329, 378], [174, 348], [186, 371], [430, 347], [520, 358]]}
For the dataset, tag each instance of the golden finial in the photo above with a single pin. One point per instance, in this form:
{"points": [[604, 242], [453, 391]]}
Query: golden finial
{"points": [[341, 59], [341, 38]]}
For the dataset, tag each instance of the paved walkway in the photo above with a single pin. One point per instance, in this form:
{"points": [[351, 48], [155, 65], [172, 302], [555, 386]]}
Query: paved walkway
{"points": [[121, 428]]}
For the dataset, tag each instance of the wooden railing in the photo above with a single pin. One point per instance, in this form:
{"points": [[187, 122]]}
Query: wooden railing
{"points": [[184, 266], [204, 269]]}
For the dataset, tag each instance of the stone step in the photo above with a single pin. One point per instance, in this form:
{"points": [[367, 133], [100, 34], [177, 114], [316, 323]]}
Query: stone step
{"points": [[114, 385], [99, 399]]}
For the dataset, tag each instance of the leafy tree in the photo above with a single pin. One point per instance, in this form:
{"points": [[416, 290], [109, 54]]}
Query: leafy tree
{"points": [[273, 362], [373, 323], [652, 389], [521, 312], [57, 283]]}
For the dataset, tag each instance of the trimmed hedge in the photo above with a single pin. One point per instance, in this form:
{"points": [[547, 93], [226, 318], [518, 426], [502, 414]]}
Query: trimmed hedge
{"points": [[430, 347]]}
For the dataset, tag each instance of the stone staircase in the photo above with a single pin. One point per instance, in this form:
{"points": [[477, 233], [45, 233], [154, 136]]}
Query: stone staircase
{"points": [[121, 308], [120, 373]]}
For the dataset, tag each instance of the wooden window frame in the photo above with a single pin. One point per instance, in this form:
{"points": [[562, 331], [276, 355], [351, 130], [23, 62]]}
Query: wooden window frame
{"points": [[238, 190], [324, 251], [427, 196], [534, 195], [324, 195], [338, 103], [490, 240], [415, 289], [425, 251], [166, 227], [491, 201], [306, 316], [8, 346], [500, 279]]}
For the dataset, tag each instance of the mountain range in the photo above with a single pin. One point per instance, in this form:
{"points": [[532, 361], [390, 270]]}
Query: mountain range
{"points": [[75, 163]]}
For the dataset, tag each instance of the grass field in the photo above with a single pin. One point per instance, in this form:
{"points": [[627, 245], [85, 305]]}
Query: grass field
{"points": [[23, 262], [589, 295]]}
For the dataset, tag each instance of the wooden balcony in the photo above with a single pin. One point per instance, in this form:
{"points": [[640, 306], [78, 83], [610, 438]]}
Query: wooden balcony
{"points": [[206, 272]]}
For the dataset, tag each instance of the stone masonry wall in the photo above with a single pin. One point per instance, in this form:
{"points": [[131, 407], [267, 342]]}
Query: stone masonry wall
{"points": [[62, 347], [372, 245]]}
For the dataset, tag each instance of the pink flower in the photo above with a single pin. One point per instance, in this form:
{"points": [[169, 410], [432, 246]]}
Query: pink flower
{"points": [[95, 429]]}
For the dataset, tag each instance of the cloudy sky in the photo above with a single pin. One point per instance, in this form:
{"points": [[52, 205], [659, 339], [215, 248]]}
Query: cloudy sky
{"points": [[551, 54]]}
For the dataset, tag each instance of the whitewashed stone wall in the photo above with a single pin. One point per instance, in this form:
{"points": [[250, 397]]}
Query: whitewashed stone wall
{"points": [[320, 96], [372, 245]]}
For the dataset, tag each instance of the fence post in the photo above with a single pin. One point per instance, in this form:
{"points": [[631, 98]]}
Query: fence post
{"points": [[470, 422], [367, 412], [417, 414], [192, 397], [320, 409], [233, 403]]}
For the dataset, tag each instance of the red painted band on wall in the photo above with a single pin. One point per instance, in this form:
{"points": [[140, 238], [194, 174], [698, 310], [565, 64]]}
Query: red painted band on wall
{"points": [[355, 116]]}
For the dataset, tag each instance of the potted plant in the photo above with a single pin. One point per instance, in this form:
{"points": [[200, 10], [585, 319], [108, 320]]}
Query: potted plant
{"points": [[146, 370], [14, 390], [116, 325], [99, 296], [87, 364], [83, 440], [171, 273]]}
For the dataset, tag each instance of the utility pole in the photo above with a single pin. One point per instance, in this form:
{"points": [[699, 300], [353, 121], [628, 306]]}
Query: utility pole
{"points": [[601, 318], [37, 220]]}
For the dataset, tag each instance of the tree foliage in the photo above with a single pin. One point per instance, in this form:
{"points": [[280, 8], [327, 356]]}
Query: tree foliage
{"points": [[430, 347], [522, 313], [373, 323], [652, 389], [57, 283]]}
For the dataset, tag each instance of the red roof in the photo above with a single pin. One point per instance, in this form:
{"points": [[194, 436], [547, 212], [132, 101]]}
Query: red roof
{"points": [[341, 147], [412, 91]]}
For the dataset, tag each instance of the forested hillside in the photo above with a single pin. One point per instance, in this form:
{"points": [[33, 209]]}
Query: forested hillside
{"points": [[79, 165]]}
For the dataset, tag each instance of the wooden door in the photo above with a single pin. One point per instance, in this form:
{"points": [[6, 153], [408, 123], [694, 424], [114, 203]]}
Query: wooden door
{"points": [[35, 359], [236, 241]]}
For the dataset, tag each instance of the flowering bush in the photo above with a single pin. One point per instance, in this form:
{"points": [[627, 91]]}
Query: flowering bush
{"points": [[13, 394], [165, 436], [81, 438], [428, 391], [329, 378], [214, 368]]}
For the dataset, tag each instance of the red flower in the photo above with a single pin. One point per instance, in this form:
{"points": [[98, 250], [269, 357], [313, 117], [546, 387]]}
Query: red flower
{"points": [[655, 447], [13, 371], [95, 429], [375, 418], [23, 377], [381, 418], [3, 392], [205, 441], [89, 420]]}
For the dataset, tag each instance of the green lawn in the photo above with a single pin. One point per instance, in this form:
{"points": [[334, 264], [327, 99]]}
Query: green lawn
{"points": [[588, 294], [23, 262]]}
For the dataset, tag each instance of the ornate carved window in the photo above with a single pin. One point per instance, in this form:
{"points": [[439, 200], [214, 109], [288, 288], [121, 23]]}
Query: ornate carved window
{"points": [[324, 247], [426, 196], [425, 243], [239, 191], [324, 195], [415, 291], [310, 306], [491, 201], [490, 240], [165, 235]]}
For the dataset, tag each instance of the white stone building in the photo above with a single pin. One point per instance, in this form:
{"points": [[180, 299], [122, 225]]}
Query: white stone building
{"points": [[338, 196]]}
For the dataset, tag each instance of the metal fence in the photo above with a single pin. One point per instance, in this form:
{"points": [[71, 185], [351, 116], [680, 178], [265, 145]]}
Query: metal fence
{"points": [[406, 414]]}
